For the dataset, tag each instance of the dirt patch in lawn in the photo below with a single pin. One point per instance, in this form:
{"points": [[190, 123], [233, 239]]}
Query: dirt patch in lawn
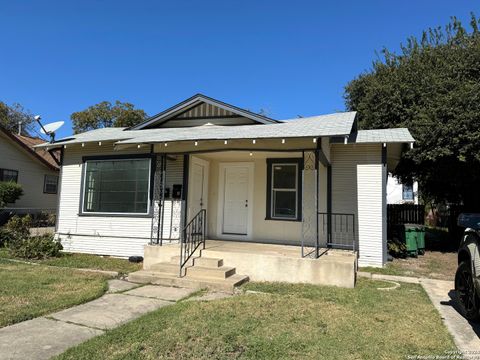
{"points": [[433, 265]]}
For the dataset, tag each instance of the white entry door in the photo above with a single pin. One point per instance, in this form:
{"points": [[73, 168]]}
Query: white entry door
{"points": [[198, 186], [237, 198]]}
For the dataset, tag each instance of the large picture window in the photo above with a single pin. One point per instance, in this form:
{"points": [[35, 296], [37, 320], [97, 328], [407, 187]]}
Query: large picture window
{"points": [[118, 186], [284, 189]]}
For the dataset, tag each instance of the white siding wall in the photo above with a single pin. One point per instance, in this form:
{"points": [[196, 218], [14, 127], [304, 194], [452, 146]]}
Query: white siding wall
{"points": [[358, 187], [106, 235], [31, 175]]}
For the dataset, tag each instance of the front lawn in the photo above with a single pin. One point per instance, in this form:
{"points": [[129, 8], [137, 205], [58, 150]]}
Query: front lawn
{"points": [[28, 291], [290, 321], [86, 261], [434, 265]]}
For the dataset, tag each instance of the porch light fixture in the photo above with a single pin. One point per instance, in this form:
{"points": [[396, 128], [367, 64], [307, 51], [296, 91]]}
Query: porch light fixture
{"points": [[345, 140], [196, 143], [314, 140], [166, 144], [251, 153], [225, 142], [283, 141], [99, 143], [139, 146], [254, 141], [64, 146], [384, 145], [83, 144], [411, 145]]}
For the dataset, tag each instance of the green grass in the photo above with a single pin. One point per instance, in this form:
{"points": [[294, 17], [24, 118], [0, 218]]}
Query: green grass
{"points": [[28, 291], [86, 261], [291, 321]]}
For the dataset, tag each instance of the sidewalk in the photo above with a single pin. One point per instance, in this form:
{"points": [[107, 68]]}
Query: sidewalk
{"points": [[442, 294], [47, 336]]}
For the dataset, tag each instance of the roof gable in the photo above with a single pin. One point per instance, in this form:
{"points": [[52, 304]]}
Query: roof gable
{"points": [[200, 110], [28, 143]]}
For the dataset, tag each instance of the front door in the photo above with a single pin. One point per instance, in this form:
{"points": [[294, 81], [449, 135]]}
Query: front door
{"points": [[236, 207], [198, 185]]}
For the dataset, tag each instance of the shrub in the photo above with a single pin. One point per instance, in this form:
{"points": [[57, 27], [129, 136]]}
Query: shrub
{"points": [[21, 244], [9, 192], [35, 247], [19, 226]]}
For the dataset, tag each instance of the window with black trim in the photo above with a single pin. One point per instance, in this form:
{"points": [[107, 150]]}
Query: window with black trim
{"points": [[50, 184], [284, 189], [118, 186], [8, 175]]}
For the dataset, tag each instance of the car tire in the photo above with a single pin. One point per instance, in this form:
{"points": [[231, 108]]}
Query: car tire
{"points": [[466, 294]]}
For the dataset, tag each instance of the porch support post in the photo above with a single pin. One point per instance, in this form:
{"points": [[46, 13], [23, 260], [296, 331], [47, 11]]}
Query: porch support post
{"points": [[310, 204], [329, 204], [186, 167]]}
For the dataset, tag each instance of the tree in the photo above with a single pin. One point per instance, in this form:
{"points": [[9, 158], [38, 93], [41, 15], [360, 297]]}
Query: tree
{"points": [[104, 114], [432, 87], [11, 115]]}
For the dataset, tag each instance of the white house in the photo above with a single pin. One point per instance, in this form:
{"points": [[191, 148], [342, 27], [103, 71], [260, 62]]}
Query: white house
{"points": [[401, 193], [302, 197], [37, 172]]}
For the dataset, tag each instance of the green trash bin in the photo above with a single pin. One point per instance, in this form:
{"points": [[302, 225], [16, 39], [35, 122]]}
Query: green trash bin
{"points": [[410, 236], [421, 239]]}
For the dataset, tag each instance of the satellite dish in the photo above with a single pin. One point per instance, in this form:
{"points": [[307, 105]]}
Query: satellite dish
{"points": [[49, 129], [52, 127]]}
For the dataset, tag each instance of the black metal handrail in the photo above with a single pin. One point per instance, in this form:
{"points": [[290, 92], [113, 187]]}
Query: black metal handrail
{"points": [[193, 235], [337, 230]]}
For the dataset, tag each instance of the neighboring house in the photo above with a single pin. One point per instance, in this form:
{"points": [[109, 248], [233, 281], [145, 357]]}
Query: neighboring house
{"points": [[401, 193], [204, 169], [37, 171]]}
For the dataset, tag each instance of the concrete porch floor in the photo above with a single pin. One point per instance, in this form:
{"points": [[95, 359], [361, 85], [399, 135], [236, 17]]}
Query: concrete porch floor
{"points": [[270, 262]]}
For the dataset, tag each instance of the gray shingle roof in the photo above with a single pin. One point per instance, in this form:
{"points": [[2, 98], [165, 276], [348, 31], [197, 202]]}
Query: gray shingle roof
{"points": [[337, 124], [399, 135]]}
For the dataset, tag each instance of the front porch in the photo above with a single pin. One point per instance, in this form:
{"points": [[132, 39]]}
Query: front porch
{"points": [[235, 260]]}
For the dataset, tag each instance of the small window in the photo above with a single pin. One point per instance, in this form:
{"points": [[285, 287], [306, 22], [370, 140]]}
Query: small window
{"points": [[8, 175], [407, 192], [50, 184], [283, 199], [118, 186]]}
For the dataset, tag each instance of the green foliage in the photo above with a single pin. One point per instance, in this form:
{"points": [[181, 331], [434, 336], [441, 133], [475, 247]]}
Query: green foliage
{"points": [[104, 114], [9, 192], [11, 115], [35, 247], [20, 244], [433, 88]]}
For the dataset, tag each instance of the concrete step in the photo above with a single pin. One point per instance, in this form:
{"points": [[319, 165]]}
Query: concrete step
{"points": [[166, 267], [158, 278], [200, 261], [200, 272]]}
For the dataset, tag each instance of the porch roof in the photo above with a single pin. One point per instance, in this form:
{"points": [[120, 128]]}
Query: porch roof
{"points": [[398, 135]]}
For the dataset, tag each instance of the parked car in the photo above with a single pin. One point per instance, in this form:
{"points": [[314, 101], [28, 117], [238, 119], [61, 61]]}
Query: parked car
{"points": [[467, 277]]}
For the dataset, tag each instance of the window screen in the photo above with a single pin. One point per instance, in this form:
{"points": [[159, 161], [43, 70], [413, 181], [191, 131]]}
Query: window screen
{"points": [[116, 186]]}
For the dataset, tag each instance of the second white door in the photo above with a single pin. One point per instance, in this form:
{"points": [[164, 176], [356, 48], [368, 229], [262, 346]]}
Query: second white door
{"points": [[236, 197]]}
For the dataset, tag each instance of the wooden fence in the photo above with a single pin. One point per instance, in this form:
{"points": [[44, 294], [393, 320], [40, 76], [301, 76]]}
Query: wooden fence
{"points": [[405, 214]]}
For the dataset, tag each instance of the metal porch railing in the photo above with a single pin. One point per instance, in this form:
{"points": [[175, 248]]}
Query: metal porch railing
{"points": [[193, 235], [341, 234]]}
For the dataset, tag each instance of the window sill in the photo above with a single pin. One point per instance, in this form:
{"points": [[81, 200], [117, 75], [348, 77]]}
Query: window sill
{"points": [[115, 215], [277, 219]]}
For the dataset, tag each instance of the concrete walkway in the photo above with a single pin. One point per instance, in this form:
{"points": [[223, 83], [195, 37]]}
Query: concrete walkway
{"points": [[47, 336], [442, 294]]}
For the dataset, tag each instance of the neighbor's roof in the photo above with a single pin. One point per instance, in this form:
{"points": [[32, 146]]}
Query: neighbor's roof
{"points": [[338, 124], [398, 135], [28, 143]]}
